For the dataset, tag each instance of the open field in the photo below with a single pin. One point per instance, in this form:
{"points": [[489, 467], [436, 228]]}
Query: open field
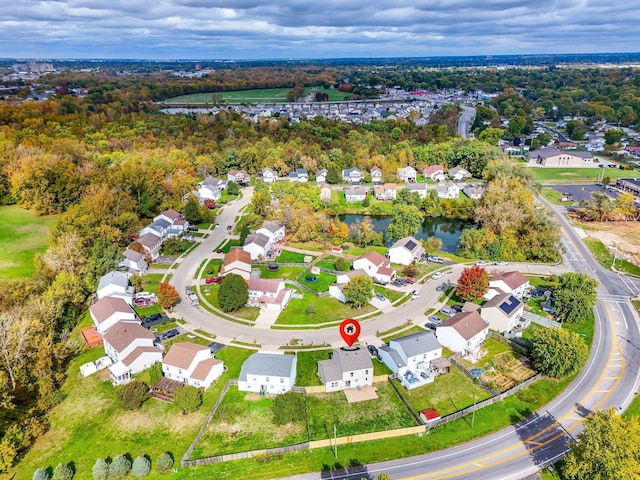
{"points": [[262, 95], [577, 175], [624, 235], [326, 309], [23, 235]]}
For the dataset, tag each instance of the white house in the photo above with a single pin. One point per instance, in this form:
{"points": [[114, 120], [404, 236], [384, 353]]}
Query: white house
{"points": [[238, 176], [208, 192], [257, 245], [355, 194], [435, 173], [419, 188], [375, 266], [474, 191], [214, 183], [405, 251], [268, 293], [268, 373], [376, 175], [132, 349], [463, 333], [325, 193], [237, 261], [108, 311], [352, 175], [513, 282], [407, 174], [347, 368], [133, 263], [115, 284], [336, 292], [345, 277], [268, 176], [410, 357], [159, 228], [274, 229], [192, 365], [170, 216], [502, 312], [458, 174], [299, 175], [388, 191], [321, 176], [448, 190], [151, 244]]}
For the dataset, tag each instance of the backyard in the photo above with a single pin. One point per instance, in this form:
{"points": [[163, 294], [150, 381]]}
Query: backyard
{"points": [[311, 310]]}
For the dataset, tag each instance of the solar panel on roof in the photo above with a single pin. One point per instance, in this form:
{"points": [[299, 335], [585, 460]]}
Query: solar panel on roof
{"points": [[509, 305], [411, 245]]}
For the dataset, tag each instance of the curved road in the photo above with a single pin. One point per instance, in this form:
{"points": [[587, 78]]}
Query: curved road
{"points": [[610, 377], [464, 122]]}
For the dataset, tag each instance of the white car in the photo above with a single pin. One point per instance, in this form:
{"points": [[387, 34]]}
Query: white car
{"points": [[482, 263], [436, 275]]}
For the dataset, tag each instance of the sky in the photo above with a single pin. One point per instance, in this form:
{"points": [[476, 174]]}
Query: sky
{"points": [[276, 29]]}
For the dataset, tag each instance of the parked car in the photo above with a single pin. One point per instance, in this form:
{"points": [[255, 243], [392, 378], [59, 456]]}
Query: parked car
{"points": [[501, 264], [449, 312], [229, 227], [192, 228], [456, 307], [441, 287], [153, 317], [217, 225], [482, 263], [396, 283], [431, 325], [174, 332], [409, 281], [434, 319], [144, 295], [380, 297], [402, 281], [372, 350], [434, 259], [436, 275], [212, 280], [143, 302]]}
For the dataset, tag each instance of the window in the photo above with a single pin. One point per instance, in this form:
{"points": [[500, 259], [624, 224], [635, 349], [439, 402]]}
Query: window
{"points": [[366, 372], [281, 380], [267, 380], [351, 374]]}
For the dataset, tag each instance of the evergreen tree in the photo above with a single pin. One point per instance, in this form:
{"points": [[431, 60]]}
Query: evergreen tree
{"points": [[141, 467], [100, 470], [233, 293]]}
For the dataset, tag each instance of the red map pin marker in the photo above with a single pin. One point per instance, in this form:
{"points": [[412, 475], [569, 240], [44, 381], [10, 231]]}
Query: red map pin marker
{"points": [[350, 330]]}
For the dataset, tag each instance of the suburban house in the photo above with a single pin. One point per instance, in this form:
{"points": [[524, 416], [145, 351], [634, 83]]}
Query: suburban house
{"points": [[115, 284], [238, 176], [325, 193], [191, 364], [410, 357], [151, 244], [388, 191], [268, 176], [257, 245], [274, 229], [268, 373], [214, 183], [321, 176], [375, 266], [336, 292], [463, 333], [474, 191], [159, 228], [347, 368], [133, 263], [237, 261], [207, 192], [448, 190], [267, 293], [345, 277], [553, 157], [405, 251], [132, 349], [419, 188], [458, 174], [170, 216], [407, 174], [435, 173], [513, 283], [108, 311], [299, 175], [352, 175], [376, 175], [355, 194], [502, 312]]}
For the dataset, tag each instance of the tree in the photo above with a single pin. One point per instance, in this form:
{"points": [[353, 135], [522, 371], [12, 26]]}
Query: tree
{"points": [[132, 395], [62, 472], [233, 189], [141, 467], [233, 293], [491, 135], [432, 245], [575, 296], [405, 222], [358, 291], [164, 462], [473, 283], [342, 264], [411, 271], [119, 468], [191, 212], [613, 135], [557, 352], [40, 474], [187, 398], [288, 407], [167, 295], [607, 449], [100, 469]]}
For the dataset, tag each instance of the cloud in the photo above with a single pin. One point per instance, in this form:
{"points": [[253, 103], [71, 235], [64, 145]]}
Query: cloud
{"points": [[301, 28]]}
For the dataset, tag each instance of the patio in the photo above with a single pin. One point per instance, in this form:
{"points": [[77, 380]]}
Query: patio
{"points": [[360, 395]]}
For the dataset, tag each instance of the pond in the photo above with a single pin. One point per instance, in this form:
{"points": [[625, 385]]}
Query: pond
{"points": [[445, 229]]}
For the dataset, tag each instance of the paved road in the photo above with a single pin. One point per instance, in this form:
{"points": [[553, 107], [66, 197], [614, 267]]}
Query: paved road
{"points": [[464, 122]]}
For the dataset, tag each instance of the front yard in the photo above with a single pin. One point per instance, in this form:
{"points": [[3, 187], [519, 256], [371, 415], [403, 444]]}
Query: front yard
{"points": [[311, 310]]}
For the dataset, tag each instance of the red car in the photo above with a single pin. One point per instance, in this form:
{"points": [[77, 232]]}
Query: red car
{"points": [[212, 279], [409, 281], [143, 302], [229, 227]]}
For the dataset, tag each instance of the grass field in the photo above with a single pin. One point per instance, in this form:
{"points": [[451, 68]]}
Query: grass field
{"points": [[326, 309], [267, 95], [287, 256], [23, 235], [321, 283], [286, 273], [605, 258], [577, 175]]}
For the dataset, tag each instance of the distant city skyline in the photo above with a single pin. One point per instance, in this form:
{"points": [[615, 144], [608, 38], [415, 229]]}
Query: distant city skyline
{"points": [[265, 29]]}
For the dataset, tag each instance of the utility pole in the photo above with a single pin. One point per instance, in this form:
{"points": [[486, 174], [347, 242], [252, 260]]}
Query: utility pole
{"points": [[335, 442], [473, 414]]}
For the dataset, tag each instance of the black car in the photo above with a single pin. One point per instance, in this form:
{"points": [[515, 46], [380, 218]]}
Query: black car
{"points": [[192, 228], [174, 332], [431, 325], [456, 307], [372, 350], [153, 317], [441, 287]]}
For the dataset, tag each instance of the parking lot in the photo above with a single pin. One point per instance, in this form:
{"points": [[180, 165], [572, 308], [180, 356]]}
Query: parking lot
{"points": [[584, 192]]}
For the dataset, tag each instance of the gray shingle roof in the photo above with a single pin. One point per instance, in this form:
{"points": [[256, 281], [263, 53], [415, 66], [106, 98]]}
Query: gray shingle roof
{"points": [[395, 356], [417, 343], [258, 238], [352, 359], [114, 278], [273, 225], [267, 364]]}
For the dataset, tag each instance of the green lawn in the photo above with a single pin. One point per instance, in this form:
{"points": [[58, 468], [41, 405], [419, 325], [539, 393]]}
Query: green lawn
{"points": [[553, 196], [307, 369], [329, 262], [322, 282], [210, 292], [447, 394], [212, 268], [493, 348], [292, 257], [576, 175], [274, 95], [605, 258], [329, 409], [227, 246], [326, 309], [403, 333], [23, 235], [150, 282], [242, 422], [286, 273]]}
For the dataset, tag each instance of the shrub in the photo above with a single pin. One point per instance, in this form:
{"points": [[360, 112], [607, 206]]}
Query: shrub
{"points": [[62, 472], [141, 467], [164, 462], [100, 470], [40, 474], [119, 468], [187, 398], [132, 395], [342, 264], [155, 372]]}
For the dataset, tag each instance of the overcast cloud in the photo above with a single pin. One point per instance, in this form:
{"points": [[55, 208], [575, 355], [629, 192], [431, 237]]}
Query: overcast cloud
{"points": [[258, 29]]}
